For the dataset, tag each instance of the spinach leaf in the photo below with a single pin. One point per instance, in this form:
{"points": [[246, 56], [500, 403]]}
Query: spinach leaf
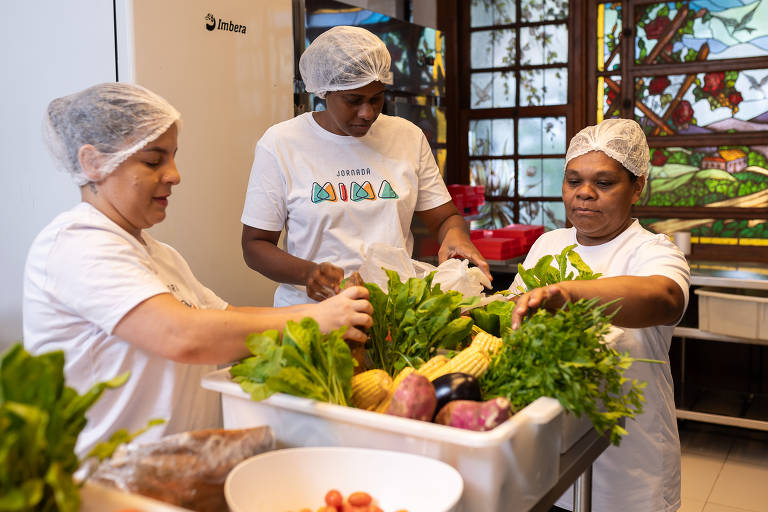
{"points": [[413, 320], [304, 362]]}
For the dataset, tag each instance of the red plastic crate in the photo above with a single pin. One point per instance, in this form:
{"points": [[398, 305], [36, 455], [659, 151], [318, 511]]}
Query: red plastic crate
{"points": [[499, 248], [525, 232]]}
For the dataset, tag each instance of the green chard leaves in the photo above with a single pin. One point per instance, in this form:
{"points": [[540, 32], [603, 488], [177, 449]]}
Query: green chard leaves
{"points": [[413, 320], [304, 363], [561, 355], [40, 420], [544, 274]]}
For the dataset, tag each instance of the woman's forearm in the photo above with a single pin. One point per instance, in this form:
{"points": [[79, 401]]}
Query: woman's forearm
{"points": [[642, 300], [268, 259]]}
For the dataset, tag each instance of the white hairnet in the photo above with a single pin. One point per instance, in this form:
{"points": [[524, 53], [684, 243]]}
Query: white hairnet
{"points": [[621, 139], [118, 119], [344, 58]]}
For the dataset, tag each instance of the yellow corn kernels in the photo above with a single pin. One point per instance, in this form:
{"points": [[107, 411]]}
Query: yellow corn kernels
{"points": [[370, 388]]}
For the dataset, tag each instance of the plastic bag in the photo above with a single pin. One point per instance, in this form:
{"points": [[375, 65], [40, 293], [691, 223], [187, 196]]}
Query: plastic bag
{"points": [[452, 274], [186, 469]]}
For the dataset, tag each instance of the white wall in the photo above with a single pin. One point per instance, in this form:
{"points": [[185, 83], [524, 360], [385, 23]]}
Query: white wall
{"points": [[49, 48], [44, 49]]}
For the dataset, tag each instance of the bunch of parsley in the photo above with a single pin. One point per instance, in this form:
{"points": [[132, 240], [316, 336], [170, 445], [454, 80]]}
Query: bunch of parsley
{"points": [[561, 355], [40, 420], [413, 320], [304, 363]]}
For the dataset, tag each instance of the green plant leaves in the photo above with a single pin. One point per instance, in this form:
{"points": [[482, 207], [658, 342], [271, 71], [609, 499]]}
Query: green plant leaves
{"points": [[304, 363]]}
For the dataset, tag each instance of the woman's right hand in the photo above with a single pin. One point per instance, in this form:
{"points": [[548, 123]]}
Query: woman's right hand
{"points": [[351, 308], [324, 281]]}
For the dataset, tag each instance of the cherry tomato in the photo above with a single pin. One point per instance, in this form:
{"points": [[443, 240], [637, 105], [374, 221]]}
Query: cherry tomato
{"points": [[359, 498], [334, 498]]}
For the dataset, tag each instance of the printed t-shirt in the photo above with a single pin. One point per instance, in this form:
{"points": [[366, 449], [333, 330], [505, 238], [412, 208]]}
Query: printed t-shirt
{"points": [[335, 195]]}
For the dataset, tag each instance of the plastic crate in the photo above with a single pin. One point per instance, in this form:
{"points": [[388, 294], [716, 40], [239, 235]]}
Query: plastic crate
{"points": [[734, 312], [513, 465], [499, 248], [527, 233]]}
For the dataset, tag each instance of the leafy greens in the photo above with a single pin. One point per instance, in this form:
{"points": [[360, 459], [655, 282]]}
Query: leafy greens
{"points": [[413, 320], [40, 420], [561, 355], [304, 363], [544, 274]]}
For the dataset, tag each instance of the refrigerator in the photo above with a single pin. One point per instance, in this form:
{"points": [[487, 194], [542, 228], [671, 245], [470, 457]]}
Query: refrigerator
{"points": [[227, 66]]}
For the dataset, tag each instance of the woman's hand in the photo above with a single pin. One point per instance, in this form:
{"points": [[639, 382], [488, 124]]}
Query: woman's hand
{"points": [[350, 308], [463, 248], [550, 297], [323, 281]]}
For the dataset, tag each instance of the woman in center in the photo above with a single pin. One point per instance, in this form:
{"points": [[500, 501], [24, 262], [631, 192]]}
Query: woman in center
{"points": [[343, 178]]}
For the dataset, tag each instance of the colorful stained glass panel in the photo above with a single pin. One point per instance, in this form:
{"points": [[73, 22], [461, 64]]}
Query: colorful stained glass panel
{"points": [[609, 36], [701, 30], [608, 94], [703, 103], [541, 136], [493, 90], [491, 137], [543, 86], [544, 44], [485, 13], [497, 176], [541, 177], [707, 176]]}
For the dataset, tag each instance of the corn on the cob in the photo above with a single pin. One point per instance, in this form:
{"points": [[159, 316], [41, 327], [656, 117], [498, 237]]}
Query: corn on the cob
{"points": [[370, 388], [470, 360], [486, 342], [431, 365], [384, 405]]}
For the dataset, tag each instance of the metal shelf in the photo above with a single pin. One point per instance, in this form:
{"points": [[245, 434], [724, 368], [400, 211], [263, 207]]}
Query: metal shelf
{"points": [[698, 334], [721, 419]]}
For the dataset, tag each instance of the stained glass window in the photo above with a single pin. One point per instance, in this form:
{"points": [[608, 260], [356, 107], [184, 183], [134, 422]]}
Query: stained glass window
{"points": [[701, 30], [698, 85], [518, 73], [717, 101]]}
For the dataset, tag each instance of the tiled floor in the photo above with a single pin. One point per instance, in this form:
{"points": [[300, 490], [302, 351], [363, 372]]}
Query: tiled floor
{"points": [[724, 469]]}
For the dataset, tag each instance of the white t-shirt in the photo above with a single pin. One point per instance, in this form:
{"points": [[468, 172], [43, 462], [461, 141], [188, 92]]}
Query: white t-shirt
{"points": [[643, 473], [335, 195], [83, 274]]}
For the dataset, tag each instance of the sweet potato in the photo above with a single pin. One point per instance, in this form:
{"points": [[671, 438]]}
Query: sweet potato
{"points": [[478, 416], [414, 398]]}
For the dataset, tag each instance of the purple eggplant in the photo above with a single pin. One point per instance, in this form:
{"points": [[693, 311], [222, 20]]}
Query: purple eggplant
{"points": [[456, 386]]}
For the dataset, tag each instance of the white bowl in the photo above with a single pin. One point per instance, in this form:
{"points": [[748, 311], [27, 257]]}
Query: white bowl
{"points": [[297, 478]]}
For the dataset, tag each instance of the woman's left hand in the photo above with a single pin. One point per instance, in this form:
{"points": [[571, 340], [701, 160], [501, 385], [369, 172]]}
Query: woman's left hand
{"points": [[463, 248], [550, 297]]}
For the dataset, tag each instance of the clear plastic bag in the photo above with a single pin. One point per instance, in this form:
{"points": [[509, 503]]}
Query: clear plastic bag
{"points": [[452, 274], [186, 469]]}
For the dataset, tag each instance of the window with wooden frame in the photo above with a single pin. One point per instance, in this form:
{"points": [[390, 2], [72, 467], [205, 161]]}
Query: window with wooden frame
{"points": [[513, 107], [695, 76]]}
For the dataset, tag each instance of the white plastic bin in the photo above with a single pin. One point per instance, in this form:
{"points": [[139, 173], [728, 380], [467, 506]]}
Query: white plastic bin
{"points": [[740, 313], [513, 465]]}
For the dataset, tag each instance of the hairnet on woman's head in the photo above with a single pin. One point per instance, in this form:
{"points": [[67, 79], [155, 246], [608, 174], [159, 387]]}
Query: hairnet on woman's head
{"points": [[344, 58], [118, 119], [621, 139]]}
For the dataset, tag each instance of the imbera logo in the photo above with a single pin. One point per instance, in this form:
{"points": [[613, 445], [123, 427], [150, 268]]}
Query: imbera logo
{"points": [[212, 24]]}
